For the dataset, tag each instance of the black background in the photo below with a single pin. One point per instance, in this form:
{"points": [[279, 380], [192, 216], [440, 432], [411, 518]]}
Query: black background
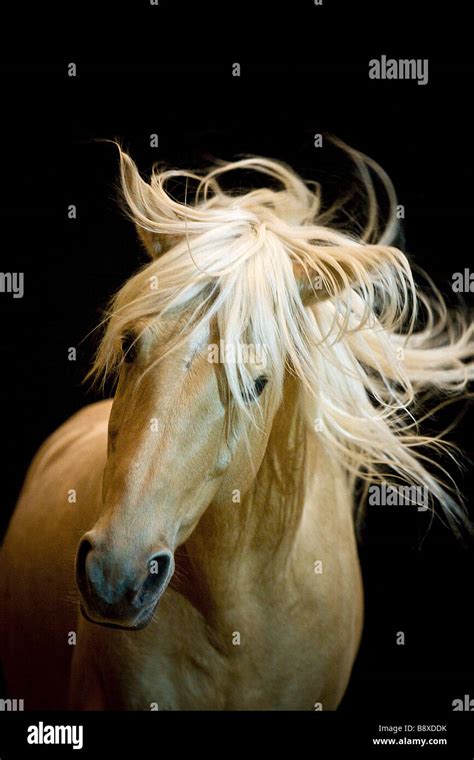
{"points": [[416, 581]]}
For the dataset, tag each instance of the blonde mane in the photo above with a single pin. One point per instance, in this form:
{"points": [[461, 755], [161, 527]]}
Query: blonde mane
{"points": [[333, 304]]}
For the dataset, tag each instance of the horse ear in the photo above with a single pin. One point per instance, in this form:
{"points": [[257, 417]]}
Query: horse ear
{"points": [[314, 288], [150, 242], [139, 200], [155, 243]]}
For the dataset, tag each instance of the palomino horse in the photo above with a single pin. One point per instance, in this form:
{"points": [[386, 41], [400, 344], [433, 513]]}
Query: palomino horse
{"points": [[191, 544]]}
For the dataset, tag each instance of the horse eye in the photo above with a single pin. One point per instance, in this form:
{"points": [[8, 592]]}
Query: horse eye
{"points": [[259, 385], [129, 347]]}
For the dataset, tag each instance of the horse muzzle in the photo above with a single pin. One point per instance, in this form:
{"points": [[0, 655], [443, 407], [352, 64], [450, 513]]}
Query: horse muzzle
{"points": [[117, 591]]}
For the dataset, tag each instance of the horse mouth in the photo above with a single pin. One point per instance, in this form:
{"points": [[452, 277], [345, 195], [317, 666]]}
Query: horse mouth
{"points": [[141, 621]]}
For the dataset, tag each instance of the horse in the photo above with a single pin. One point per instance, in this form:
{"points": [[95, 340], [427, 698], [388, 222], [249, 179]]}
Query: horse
{"points": [[191, 544]]}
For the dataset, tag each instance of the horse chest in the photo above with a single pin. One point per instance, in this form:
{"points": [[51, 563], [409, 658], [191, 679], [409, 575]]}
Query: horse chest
{"points": [[276, 659]]}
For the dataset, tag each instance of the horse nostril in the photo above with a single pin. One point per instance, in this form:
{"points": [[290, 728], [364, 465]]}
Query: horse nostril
{"points": [[158, 573], [84, 548]]}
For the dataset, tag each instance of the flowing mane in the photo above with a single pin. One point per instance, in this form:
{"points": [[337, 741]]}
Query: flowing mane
{"points": [[334, 304]]}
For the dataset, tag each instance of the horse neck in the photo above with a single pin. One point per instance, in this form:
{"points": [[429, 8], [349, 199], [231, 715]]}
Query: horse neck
{"points": [[254, 538]]}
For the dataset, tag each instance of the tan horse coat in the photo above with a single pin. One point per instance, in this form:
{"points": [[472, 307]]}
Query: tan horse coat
{"points": [[253, 626]]}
